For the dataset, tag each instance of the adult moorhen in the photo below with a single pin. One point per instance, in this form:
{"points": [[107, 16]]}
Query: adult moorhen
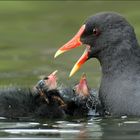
{"points": [[112, 40]]}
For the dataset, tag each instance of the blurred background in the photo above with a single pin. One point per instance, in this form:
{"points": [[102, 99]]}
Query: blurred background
{"points": [[32, 31]]}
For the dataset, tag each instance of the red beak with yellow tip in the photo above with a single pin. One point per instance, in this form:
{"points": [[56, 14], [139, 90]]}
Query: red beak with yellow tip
{"points": [[80, 62], [74, 43]]}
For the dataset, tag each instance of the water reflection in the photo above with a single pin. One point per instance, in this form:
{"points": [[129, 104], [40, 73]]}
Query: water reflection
{"points": [[76, 129]]}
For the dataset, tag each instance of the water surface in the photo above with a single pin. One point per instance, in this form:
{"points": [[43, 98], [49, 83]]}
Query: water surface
{"points": [[30, 34], [73, 129]]}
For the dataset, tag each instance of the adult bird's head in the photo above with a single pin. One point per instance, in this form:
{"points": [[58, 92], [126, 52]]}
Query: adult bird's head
{"points": [[101, 34]]}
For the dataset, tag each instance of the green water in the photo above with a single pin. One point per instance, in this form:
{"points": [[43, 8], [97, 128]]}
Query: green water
{"points": [[30, 34]]}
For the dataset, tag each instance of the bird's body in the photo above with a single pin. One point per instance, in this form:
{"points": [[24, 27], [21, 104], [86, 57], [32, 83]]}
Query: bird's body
{"points": [[120, 62], [22, 102], [43, 101], [46, 100], [81, 101], [112, 40], [78, 106], [120, 90], [16, 103]]}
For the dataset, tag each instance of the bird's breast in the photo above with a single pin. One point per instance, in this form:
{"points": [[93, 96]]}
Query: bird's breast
{"points": [[120, 96]]}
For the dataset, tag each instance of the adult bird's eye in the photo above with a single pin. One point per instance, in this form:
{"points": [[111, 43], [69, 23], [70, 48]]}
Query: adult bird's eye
{"points": [[96, 31]]}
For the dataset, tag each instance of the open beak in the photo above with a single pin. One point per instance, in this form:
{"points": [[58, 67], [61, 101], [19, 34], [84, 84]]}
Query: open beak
{"points": [[54, 73], [82, 88], [53, 76], [80, 62], [51, 82], [74, 43]]}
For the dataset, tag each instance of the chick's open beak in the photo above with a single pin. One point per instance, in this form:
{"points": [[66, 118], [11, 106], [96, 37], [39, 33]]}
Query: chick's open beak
{"points": [[82, 87], [51, 82], [74, 43]]}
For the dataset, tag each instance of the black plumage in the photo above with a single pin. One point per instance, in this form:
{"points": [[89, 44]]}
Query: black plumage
{"points": [[80, 100], [22, 102], [118, 52], [111, 39], [43, 100], [46, 100]]}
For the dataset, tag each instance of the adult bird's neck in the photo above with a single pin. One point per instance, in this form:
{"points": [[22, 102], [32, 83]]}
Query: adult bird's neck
{"points": [[119, 59]]}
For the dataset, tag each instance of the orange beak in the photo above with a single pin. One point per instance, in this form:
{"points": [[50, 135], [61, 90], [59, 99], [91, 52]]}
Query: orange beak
{"points": [[74, 43], [80, 62]]}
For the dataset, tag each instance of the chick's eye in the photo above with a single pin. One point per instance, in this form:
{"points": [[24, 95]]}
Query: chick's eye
{"points": [[45, 78], [73, 89], [96, 31]]}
